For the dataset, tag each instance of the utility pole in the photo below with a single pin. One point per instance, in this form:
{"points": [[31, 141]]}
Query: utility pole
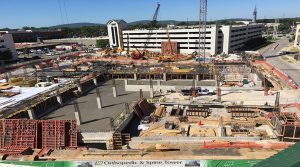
{"points": [[202, 28]]}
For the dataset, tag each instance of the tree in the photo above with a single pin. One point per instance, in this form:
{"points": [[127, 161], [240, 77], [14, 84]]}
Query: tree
{"points": [[101, 43], [284, 27], [28, 28]]}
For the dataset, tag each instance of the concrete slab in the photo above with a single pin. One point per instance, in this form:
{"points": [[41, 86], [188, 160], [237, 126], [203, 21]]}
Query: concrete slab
{"points": [[94, 119]]}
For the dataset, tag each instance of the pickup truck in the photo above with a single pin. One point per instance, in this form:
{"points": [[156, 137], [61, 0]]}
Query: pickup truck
{"points": [[200, 91]]}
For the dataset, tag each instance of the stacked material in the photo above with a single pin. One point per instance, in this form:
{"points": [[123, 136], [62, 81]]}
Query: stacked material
{"points": [[5, 86]]}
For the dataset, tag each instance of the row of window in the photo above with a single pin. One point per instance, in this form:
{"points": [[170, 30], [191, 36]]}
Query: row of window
{"points": [[241, 39], [251, 28], [237, 30], [1, 40], [186, 43], [125, 39], [237, 35], [164, 33], [154, 47]]}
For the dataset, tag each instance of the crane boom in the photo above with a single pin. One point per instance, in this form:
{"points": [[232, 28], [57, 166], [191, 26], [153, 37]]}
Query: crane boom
{"points": [[152, 25], [154, 19]]}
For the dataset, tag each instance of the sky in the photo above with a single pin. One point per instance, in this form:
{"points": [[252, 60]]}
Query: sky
{"points": [[43, 13]]}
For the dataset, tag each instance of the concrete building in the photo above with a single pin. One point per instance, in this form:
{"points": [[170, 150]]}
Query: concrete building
{"points": [[218, 38], [115, 28], [34, 35], [7, 43], [297, 36]]}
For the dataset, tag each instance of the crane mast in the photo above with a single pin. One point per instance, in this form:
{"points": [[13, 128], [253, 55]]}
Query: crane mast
{"points": [[202, 28]]}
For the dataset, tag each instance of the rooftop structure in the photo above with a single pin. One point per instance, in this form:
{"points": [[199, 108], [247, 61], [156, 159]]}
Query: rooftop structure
{"points": [[7, 44]]}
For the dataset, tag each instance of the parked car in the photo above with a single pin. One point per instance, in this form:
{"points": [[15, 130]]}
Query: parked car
{"points": [[200, 91]]}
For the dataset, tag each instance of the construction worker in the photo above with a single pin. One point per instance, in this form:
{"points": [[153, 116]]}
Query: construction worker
{"points": [[270, 92]]}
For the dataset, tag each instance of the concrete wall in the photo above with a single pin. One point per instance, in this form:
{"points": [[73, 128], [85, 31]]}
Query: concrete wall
{"points": [[226, 38], [84, 41]]}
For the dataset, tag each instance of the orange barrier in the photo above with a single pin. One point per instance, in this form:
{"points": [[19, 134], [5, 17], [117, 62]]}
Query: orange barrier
{"points": [[241, 144]]}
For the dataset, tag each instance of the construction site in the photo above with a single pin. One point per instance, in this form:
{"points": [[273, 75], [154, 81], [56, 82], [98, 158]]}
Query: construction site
{"points": [[147, 105]]}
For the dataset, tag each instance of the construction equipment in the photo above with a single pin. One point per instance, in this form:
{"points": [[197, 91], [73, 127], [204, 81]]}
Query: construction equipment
{"points": [[202, 28], [168, 50], [153, 25], [138, 54]]}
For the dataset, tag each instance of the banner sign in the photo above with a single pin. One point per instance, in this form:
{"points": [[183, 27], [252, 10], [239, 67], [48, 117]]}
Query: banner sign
{"points": [[133, 163]]}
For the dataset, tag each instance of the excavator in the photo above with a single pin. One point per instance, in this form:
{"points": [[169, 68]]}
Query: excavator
{"points": [[137, 54]]}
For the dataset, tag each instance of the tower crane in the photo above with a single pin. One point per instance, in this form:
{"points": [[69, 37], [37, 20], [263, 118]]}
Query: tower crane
{"points": [[202, 28], [153, 25]]}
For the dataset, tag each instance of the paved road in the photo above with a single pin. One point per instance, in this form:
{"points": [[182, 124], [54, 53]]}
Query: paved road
{"points": [[292, 70]]}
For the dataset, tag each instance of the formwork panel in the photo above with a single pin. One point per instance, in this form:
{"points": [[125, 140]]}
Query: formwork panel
{"points": [[18, 132], [53, 134], [169, 48]]}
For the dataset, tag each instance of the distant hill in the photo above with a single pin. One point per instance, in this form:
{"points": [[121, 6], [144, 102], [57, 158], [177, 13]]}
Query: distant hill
{"points": [[76, 25], [159, 22], [163, 22]]}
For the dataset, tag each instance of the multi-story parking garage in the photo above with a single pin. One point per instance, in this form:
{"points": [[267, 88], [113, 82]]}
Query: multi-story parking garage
{"points": [[224, 38]]}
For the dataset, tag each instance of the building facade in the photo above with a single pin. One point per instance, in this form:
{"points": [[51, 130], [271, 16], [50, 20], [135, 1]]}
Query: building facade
{"points": [[7, 43], [115, 28], [34, 35], [218, 38], [297, 36]]}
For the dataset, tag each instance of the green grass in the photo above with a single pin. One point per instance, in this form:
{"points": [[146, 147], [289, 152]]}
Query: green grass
{"points": [[294, 49], [284, 58]]}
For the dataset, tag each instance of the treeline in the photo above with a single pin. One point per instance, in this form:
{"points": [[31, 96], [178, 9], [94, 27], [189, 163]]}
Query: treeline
{"points": [[86, 31]]}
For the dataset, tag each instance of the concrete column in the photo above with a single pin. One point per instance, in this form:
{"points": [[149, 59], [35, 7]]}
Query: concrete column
{"points": [[114, 88], [151, 93], [79, 88], [77, 117], [135, 76], [59, 99], [95, 81], [165, 76], [77, 113], [31, 114], [115, 94], [197, 77], [141, 93], [99, 102], [158, 83], [219, 94], [216, 78]]}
